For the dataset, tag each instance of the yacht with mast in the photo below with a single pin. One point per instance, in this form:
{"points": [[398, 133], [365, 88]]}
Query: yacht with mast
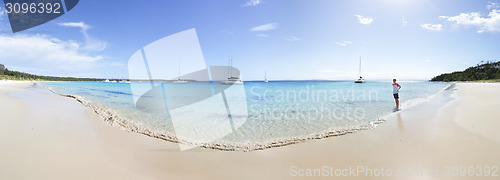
{"points": [[231, 79], [179, 80], [360, 79], [265, 76]]}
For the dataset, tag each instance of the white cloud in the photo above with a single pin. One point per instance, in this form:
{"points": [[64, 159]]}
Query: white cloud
{"points": [[364, 20], [488, 24], [263, 35], [292, 38], [91, 44], [44, 53], [252, 3], [327, 71], [116, 64], [492, 5], [432, 27], [1, 13], [403, 21], [3, 26], [265, 27], [343, 43], [225, 31], [76, 24]]}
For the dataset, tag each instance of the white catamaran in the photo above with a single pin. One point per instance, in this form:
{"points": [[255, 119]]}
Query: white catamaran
{"points": [[360, 80], [231, 79]]}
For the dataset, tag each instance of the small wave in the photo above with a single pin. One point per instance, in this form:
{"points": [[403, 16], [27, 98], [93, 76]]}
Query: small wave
{"points": [[115, 120], [111, 92], [416, 101]]}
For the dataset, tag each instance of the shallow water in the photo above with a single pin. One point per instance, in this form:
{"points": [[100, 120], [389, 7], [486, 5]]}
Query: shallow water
{"points": [[255, 115]]}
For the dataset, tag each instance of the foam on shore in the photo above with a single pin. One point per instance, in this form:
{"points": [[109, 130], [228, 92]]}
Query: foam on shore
{"points": [[114, 119]]}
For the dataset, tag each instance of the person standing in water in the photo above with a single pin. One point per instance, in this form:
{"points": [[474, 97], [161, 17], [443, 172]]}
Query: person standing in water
{"points": [[395, 92]]}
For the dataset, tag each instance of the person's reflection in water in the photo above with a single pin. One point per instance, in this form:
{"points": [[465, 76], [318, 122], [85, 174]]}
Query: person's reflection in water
{"points": [[400, 122]]}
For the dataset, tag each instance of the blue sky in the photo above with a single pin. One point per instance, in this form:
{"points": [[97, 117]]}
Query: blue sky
{"points": [[292, 39]]}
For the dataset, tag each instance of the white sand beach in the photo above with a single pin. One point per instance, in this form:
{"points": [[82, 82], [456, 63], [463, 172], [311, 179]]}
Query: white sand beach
{"points": [[46, 136]]}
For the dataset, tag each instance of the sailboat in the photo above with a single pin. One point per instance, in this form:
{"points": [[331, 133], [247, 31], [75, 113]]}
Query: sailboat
{"points": [[265, 76], [232, 79], [125, 81], [122, 80], [360, 80], [179, 80]]}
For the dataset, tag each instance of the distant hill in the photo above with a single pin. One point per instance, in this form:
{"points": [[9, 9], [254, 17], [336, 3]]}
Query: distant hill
{"points": [[485, 71], [16, 75]]}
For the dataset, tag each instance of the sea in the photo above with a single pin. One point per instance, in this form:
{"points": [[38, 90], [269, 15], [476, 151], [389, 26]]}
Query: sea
{"points": [[251, 116]]}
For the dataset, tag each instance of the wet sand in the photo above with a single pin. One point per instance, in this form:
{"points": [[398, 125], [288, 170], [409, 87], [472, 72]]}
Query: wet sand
{"points": [[46, 136]]}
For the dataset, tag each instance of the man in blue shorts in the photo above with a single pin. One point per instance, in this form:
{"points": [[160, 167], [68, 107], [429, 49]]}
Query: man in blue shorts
{"points": [[395, 92]]}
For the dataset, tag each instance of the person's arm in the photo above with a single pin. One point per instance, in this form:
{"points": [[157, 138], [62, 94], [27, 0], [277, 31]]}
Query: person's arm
{"points": [[399, 87]]}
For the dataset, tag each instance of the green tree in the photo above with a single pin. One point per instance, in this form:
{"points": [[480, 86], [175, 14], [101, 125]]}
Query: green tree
{"points": [[2, 69], [484, 71]]}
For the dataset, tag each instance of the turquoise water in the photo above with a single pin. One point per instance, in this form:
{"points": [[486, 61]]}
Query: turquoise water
{"points": [[203, 113]]}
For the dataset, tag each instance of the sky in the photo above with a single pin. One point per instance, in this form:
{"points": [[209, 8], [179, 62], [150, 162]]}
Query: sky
{"points": [[290, 39]]}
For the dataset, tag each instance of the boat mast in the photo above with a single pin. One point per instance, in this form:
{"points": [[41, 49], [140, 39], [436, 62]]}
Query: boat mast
{"points": [[228, 68], [360, 66], [179, 75]]}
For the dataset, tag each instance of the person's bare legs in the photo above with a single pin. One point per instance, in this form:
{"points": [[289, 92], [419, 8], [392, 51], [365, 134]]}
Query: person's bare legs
{"points": [[397, 103]]}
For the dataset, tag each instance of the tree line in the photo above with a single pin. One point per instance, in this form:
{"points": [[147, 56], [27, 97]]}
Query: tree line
{"points": [[488, 70], [16, 75]]}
